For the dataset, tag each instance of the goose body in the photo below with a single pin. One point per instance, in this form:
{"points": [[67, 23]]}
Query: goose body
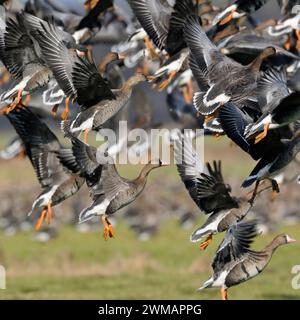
{"points": [[235, 263]]}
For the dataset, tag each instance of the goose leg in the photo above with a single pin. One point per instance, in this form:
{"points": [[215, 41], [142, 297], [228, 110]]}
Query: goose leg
{"points": [[22, 154], [13, 105], [49, 213], [108, 229], [64, 115], [188, 92], [275, 189], [254, 194], [262, 135], [150, 48], [41, 219], [166, 82], [288, 44], [224, 294], [27, 100], [298, 39], [227, 18], [206, 243], [54, 110], [86, 136]]}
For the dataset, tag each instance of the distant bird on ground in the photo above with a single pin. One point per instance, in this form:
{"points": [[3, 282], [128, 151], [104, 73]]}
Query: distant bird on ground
{"points": [[235, 262]]}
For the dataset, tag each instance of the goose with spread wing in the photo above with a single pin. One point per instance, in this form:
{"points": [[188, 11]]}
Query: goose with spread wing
{"points": [[237, 10], [163, 21], [209, 191], [222, 79], [235, 262], [55, 166], [109, 191]]}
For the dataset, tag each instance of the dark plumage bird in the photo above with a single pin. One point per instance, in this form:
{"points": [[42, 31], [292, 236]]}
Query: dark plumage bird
{"points": [[273, 163], [237, 10], [55, 167], [235, 262], [209, 191]]}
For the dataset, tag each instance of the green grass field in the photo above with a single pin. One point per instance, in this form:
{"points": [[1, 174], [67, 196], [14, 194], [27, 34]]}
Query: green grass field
{"points": [[84, 266]]}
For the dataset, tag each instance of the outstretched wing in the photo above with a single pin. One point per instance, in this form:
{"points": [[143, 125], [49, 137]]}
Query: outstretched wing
{"points": [[213, 194], [42, 146], [235, 245]]}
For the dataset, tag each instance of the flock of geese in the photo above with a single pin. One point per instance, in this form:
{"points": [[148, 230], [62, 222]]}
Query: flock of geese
{"points": [[240, 75]]}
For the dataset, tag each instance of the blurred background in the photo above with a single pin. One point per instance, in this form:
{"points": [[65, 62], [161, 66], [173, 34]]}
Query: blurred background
{"points": [[151, 255]]}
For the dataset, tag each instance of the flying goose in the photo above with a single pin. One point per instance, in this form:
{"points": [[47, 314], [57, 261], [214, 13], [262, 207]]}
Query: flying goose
{"points": [[109, 191], [54, 166], [235, 262]]}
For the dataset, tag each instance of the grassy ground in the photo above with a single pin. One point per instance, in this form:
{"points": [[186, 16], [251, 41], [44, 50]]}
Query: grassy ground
{"points": [[84, 266]]}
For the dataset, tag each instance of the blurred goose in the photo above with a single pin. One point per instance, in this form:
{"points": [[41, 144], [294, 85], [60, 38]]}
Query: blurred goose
{"points": [[54, 166], [59, 50], [209, 191], [163, 21], [273, 163], [222, 78], [22, 57], [237, 10], [14, 149], [286, 112], [235, 262], [109, 191]]}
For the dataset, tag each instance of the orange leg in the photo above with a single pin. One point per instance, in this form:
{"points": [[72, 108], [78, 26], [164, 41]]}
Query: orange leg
{"points": [[21, 155], [224, 294], [40, 219], [288, 44], [227, 18], [262, 135], [108, 229], [64, 115], [206, 243], [166, 82], [49, 213], [27, 100], [298, 39], [188, 92], [54, 110], [86, 136], [150, 48]]}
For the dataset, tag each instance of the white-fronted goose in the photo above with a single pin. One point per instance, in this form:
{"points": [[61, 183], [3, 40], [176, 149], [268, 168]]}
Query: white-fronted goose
{"points": [[164, 20], [209, 191], [109, 191], [237, 10], [273, 163], [235, 262], [22, 57], [222, 78], [54, 166]]}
